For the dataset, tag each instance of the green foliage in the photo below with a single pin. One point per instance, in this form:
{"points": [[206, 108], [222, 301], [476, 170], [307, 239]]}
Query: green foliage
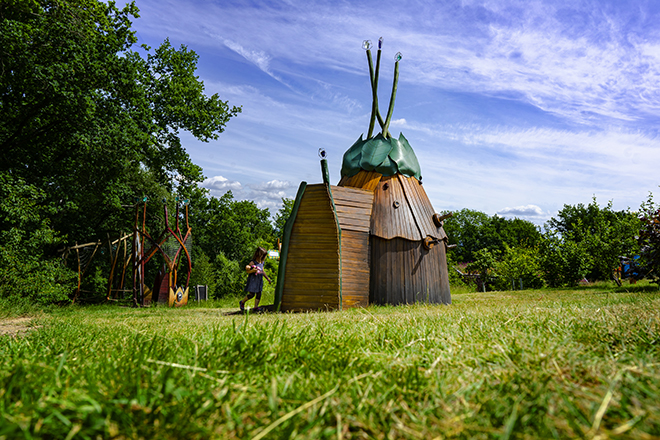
{"points": [[203, 273], [231, 227], [282, 216], [516, 265], [483, 264], [604, 234], [564, 261], [455, 279], [230, 276], [91, 122], [649, 239], [474, 230], [28, 266]]}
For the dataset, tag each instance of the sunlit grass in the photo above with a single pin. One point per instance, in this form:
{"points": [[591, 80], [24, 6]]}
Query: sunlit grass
{"points": [[545, 363]]}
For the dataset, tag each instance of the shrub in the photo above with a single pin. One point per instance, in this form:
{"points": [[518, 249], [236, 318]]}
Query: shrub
{"points": [[483, 264], [518, 264], [230, 277], [649, 240], [203, 273], [29, 268], [564, 262]]}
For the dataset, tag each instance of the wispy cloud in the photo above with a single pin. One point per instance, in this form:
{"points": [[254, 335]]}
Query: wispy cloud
{"points": [[258, 57], [265, 194], [525, 211], [571, 59], [505, 104]]}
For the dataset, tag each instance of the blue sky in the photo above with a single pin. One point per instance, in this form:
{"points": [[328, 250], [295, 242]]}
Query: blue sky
{"points": [[512, 107]]}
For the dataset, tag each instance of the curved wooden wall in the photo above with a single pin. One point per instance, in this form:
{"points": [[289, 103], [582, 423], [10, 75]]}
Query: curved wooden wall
{"points": [[312, 278], [404, 272]]}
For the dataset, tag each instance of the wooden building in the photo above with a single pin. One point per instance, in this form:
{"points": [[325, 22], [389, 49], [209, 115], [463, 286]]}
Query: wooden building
{"points": [[407, 247], [373, 238], [324, 264]]}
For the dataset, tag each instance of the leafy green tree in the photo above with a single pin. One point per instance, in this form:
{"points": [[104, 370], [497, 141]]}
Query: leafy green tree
{"points": [[282, 216], [605, 234], [474, 230], [85, 117], [649, 239], [514, 232], [90, 121], [235, 228], [455, 278], [28, 268], [483, 264], [564, 261], [464, 229], [230, 277], [518, 264], [203, 273]]}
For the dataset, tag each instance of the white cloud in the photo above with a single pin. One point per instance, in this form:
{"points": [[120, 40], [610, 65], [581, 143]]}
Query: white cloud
{"points": [[273, 185], [522, 211], [265, 194], [270, 194], [219, 185], [597, 65], [594, 83], [258, 57]]}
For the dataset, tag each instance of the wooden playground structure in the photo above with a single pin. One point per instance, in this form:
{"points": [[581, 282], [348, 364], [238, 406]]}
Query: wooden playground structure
{"points": [[129, 255], [374, 237]]}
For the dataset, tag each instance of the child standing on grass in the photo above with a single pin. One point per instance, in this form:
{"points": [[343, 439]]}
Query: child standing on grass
{"points": [[255, 281]]}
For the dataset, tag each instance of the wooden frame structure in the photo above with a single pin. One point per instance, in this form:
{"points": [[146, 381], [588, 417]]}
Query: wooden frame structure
{"points": [[165, 290]]}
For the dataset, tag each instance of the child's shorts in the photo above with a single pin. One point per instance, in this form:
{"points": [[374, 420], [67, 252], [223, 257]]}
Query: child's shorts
{"points": [[251, 295]]}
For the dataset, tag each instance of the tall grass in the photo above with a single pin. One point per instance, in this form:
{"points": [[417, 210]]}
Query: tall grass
{"points": [[546, 363]]}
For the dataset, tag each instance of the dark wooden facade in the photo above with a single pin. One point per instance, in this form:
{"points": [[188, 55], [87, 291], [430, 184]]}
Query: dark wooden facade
{"points": [[403, 270]]}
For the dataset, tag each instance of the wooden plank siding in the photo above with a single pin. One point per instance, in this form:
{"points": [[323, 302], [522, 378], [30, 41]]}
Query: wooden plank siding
{"points": [[391, 215], [421, 206], [364, 179], [312, 278], [404, 272], [354, 215]]}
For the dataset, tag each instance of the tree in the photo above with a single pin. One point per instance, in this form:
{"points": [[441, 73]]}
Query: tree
{"points": [[87, 119], [88, 123], [235, 228], [564, 261], [516, 265], [282, 216], [649, 239], [26, 245], [474, 230], [464, 229], [606, 235]]}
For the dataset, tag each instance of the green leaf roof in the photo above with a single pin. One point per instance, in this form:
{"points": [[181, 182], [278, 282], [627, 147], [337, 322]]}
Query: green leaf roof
{"points": [[385, 156]]}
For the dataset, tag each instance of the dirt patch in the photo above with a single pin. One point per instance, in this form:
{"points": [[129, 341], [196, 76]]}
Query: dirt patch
{"points": [[16, 326]]}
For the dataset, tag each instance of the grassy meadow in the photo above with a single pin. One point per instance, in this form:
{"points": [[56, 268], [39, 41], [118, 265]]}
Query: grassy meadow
{"points": [[579, 363]]}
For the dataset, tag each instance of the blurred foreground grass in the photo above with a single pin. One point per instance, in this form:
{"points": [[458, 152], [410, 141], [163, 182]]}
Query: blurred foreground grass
{"points": [[546, 363]]}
